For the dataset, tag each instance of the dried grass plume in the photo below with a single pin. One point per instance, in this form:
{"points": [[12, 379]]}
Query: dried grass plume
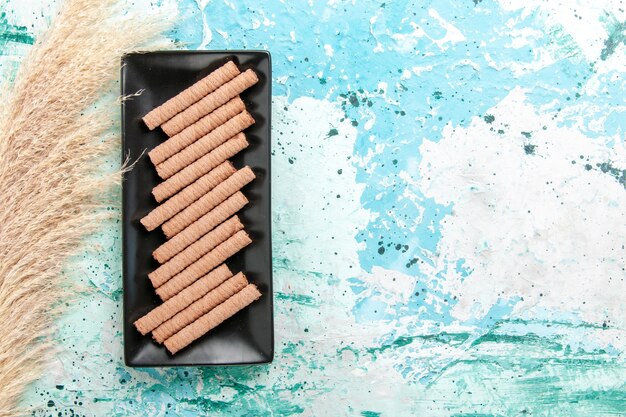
{"points": [[52, 190]]}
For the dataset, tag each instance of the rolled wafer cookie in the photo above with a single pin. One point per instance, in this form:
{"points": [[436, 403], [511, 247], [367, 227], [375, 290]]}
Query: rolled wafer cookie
{"points": [[200, 307], [208, 201], [200, 227], [204, 145], [191, 95], [193, 192], [195, 131], [211, 102], [183, 299], [218, 255], [203, 165], [213, 318], [195, 251]]}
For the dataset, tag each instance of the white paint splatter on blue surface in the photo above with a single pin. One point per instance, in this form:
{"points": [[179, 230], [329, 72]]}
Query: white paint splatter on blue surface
{"points": [[457, 247]]}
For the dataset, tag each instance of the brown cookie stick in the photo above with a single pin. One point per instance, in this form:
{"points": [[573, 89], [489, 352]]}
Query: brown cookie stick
{"points": [[195, 251], [200, 227], [213, 318], [183, 299], [196, 131], [204, 145], [200, 307], [203, 165], [208, 201], [193, 192], [203, 265], [191, 95], [211, 102]]}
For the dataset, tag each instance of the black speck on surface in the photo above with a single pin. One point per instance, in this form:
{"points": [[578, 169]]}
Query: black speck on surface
{"points": [[530, 149]]}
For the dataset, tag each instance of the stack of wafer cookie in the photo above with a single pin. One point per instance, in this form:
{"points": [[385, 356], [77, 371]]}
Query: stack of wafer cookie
{"points": [[199, 199]]}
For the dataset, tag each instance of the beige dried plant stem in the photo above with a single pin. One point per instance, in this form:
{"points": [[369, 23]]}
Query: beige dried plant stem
{"points": [[204, 145], [183, 299], [211, 102], [200, 307], [213, 318], [194, 132], [53, 189], [196, 250], [202, 226], [187, 196], [218, 255], [208, 201], [191, 95], [203, 165]]}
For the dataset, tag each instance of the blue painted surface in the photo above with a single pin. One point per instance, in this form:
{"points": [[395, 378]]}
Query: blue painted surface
{"points": [[457, 244]]}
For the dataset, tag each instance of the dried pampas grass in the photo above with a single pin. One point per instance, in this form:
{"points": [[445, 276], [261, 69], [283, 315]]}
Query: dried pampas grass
{"points": [[53, 191]]}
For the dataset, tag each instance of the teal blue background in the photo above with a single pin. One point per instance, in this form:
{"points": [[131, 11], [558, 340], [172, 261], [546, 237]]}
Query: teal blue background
{"points": [[380, 308]]}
